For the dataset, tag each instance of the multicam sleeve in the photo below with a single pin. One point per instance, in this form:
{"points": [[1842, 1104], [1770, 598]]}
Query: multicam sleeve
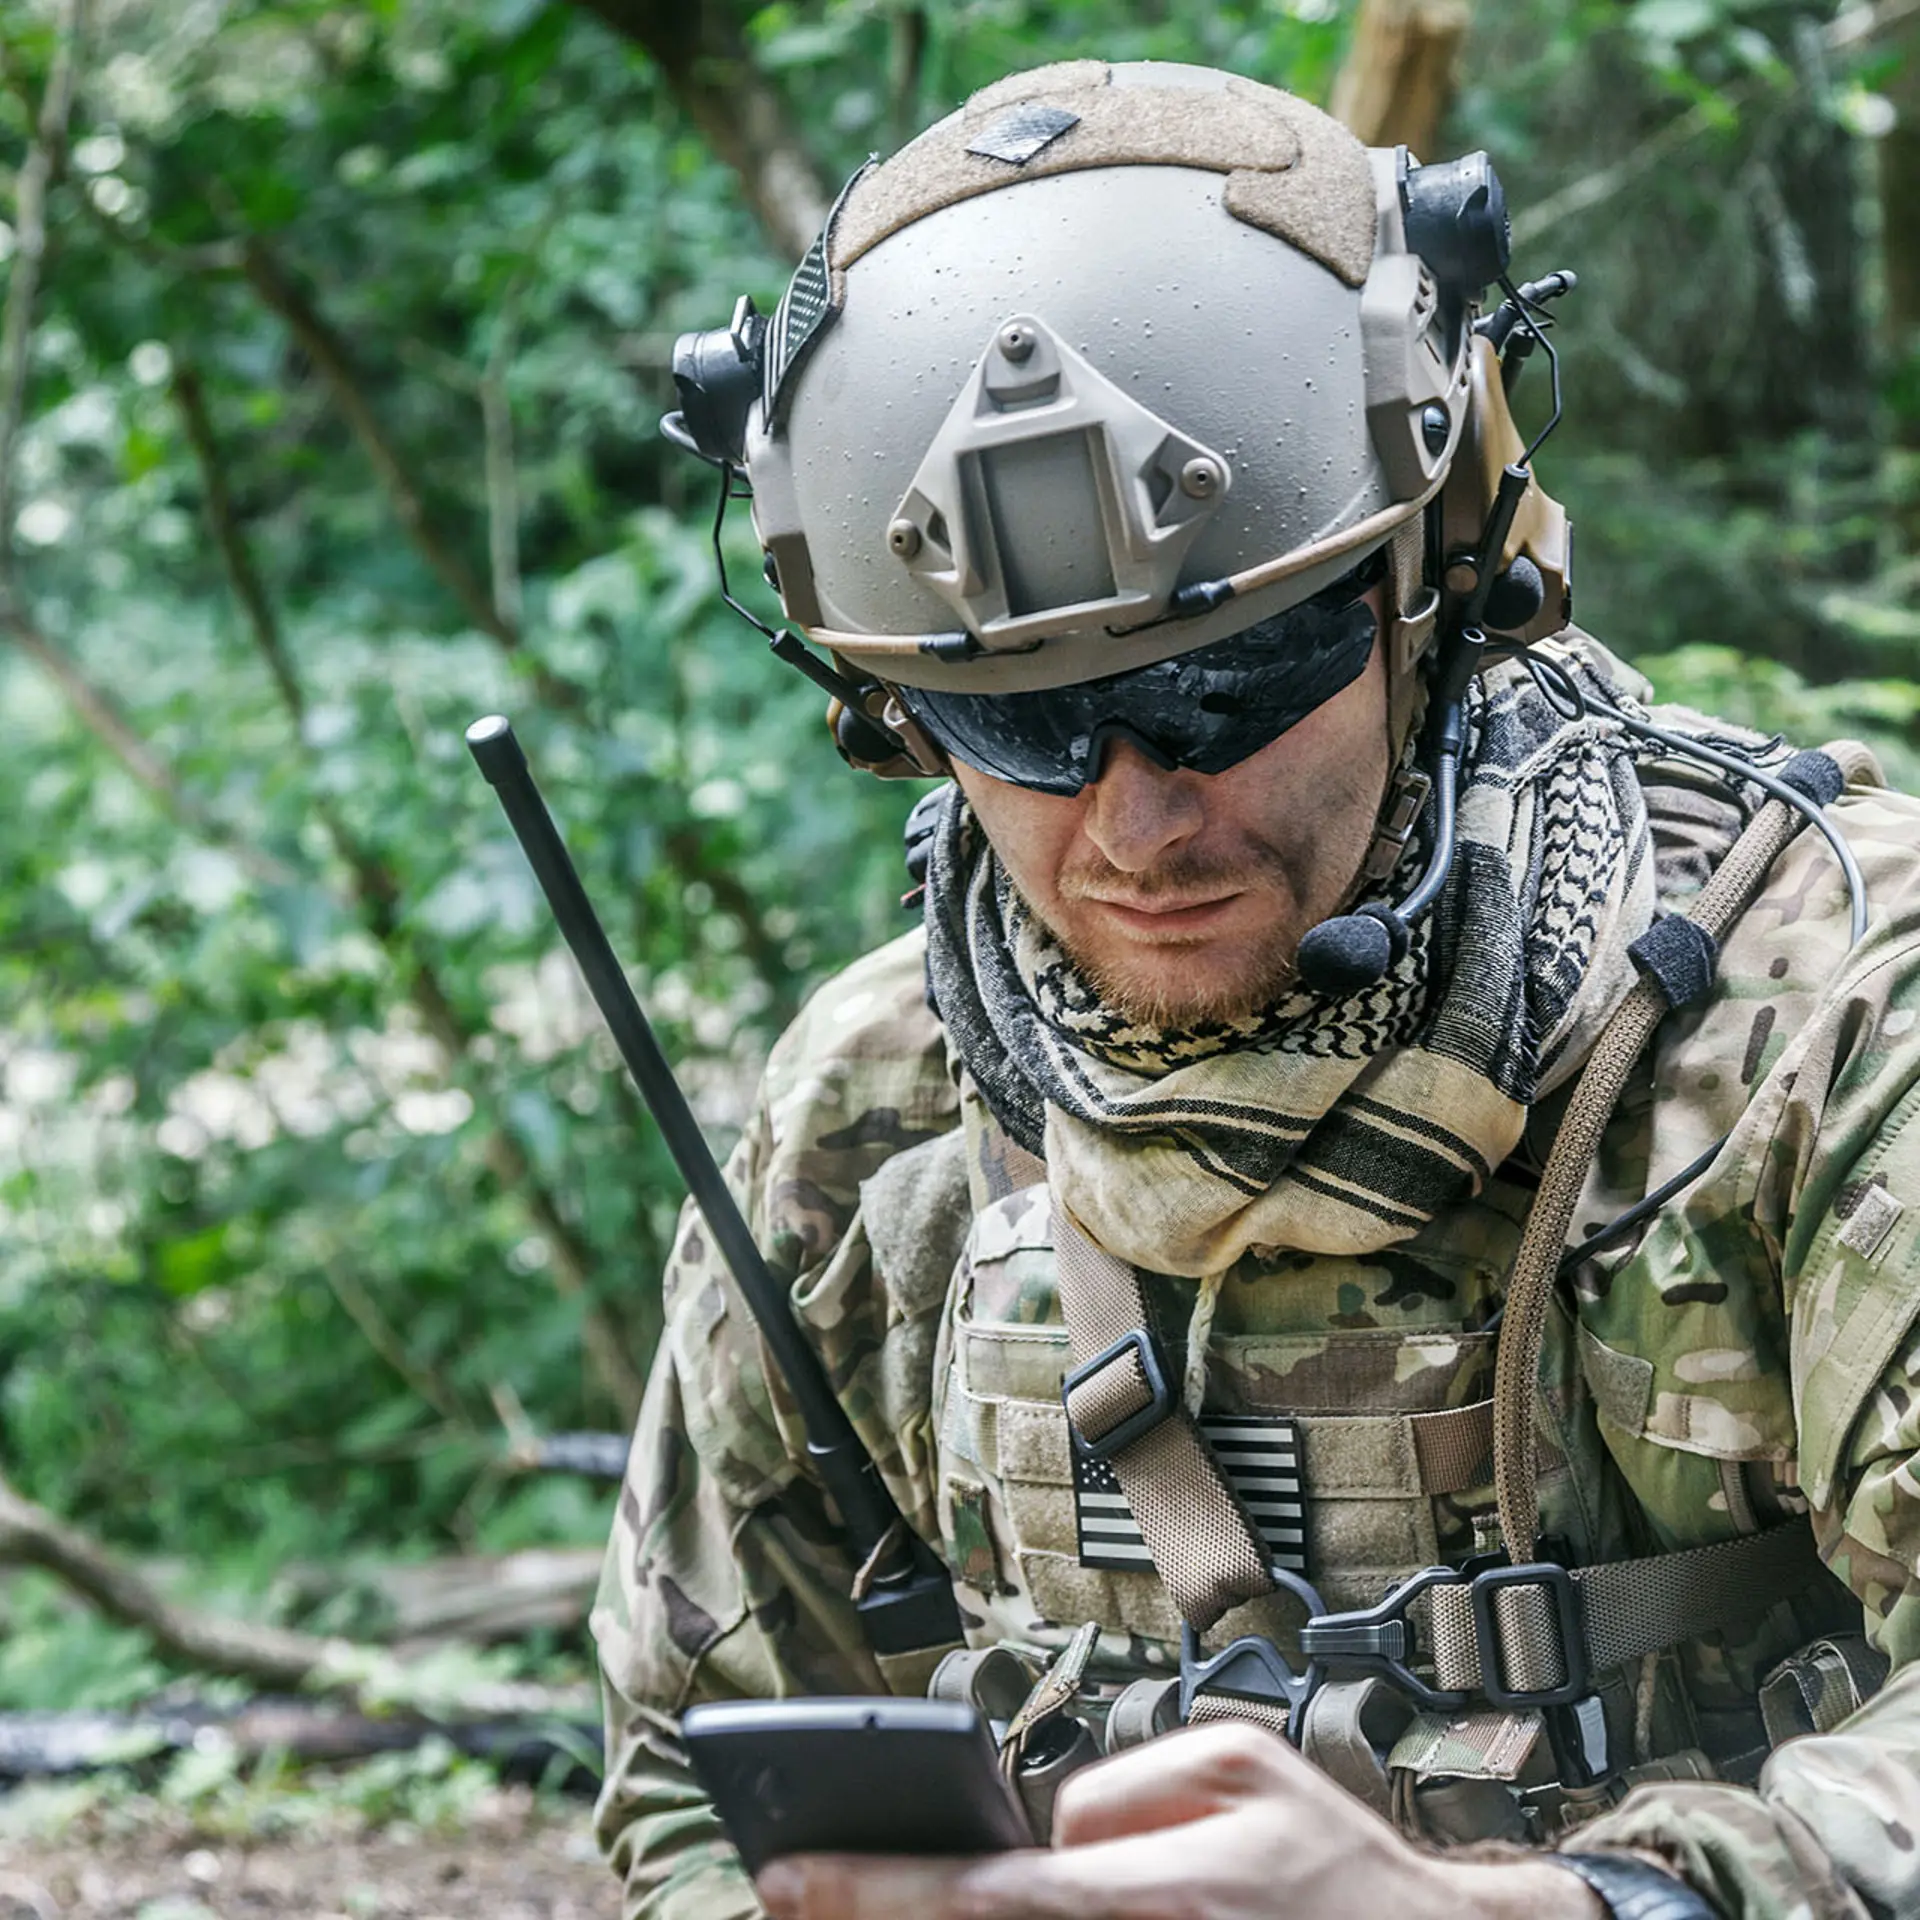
{"points": [[723, 1579], [1833, 1827], [725, 1576]]}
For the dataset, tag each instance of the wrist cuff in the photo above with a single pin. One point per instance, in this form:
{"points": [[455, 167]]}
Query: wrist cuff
{"points": [[1633, 1890]]}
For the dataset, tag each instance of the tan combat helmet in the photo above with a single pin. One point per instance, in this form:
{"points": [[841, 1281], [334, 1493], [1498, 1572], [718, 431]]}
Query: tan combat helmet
{"points": [[1114, 362]]}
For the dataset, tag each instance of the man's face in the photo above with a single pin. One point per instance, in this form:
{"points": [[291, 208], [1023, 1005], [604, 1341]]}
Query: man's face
{"points": [[1183, 896]]}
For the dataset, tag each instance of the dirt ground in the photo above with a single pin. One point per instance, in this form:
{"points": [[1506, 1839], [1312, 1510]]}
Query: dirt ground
{"points": [[519, 1864]]}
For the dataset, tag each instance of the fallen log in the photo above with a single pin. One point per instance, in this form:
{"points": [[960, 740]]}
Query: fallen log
{"points": [[478, 1599], [274, 1658]]}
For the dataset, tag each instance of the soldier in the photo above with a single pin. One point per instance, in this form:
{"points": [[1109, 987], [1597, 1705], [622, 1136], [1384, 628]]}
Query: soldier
{"points": [[1433, 1110]]}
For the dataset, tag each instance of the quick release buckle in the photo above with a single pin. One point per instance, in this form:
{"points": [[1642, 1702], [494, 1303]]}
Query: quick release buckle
{"points": [[1380, 1640], [1252, 1669], [1150, 1381], [1492, 1633]]}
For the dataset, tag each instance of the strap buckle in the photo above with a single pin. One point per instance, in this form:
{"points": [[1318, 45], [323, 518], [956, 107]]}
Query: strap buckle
{"points": [[1380, 1640], [1491, 1635], [1151, 1380], [1252, 1668]]}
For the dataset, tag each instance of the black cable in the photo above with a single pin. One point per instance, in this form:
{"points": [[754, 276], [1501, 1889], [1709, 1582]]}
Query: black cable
{"points": [[727, 497], [788, 648], [1816, 815], [1558, 687], [1624, 1223], [1538, 329]]}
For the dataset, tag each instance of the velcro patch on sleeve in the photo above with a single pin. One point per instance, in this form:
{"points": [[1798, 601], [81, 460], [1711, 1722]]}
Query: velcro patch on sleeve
{"points": [[1872, 1218]]}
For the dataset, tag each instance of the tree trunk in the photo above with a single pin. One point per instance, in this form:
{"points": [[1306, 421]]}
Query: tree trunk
{"points": [[1898, 170], [1398, 79], [701, 52]]}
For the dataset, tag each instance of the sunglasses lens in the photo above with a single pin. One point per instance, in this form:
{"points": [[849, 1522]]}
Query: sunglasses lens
{"points": [[1206, 710]]}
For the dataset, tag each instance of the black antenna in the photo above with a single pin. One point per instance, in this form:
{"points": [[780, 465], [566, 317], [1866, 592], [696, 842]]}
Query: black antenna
{"points": [[907, 1603]]}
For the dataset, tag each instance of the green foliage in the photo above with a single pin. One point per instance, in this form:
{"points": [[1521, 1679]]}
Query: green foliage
{"points": [[269, 1251], [311, 1157], [54, 1655], [207, 1794], [1768, 695]]}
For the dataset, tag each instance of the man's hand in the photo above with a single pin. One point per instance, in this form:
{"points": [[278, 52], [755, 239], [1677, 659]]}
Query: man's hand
{"points": [[1216, 1823]]}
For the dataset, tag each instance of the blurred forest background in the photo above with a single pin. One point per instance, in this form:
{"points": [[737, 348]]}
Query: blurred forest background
{"points": [[335, 334]]}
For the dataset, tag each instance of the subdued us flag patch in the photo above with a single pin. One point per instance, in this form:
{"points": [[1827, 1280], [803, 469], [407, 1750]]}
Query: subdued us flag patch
{"points": [[1258, 1452]]}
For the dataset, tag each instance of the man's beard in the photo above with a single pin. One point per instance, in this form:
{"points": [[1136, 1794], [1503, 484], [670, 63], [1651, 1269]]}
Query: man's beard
{"points": [[1143, 982]]}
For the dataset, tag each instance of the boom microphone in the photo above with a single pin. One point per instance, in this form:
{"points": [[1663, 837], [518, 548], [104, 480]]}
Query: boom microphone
{"points": [[1342, 955], [1355, 950]]}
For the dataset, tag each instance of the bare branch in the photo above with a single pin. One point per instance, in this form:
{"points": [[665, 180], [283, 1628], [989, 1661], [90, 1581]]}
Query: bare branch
{"points": [[96, 709], [489, 387], [330, 355], [333, 361], [378, 1331], [503, 494], [1852, 31], [704, 58], [190, 395], [1860, 26], [102, 716], [1591, 189], [496, 414], [31, 1536], [217, 1643], [45, 160]]}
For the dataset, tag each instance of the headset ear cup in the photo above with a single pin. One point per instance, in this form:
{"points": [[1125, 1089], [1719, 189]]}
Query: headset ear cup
{"points": [[889, 745], [1489, 443]]}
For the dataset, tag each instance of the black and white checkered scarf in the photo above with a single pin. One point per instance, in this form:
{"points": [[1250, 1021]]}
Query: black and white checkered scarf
{"points": [[1316, 1125]]}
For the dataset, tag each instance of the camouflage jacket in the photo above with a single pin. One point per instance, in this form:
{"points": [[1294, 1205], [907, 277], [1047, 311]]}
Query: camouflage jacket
{"points": [[1752, 1353]]}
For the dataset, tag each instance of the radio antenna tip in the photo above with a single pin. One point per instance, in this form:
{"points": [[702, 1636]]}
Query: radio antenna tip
{"points": [[493, 745]]}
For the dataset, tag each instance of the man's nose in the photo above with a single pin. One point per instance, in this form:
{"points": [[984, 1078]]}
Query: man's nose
{"points": [[1137, 812]]}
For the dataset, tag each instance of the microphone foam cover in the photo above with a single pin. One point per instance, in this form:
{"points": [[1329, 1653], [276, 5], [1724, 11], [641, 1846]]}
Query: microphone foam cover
{"points": [[1342, 955], [1517, 596]]}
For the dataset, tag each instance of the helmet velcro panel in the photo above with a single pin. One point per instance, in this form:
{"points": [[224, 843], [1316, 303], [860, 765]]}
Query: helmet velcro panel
{"points": [[1323, 204], [1290, 170]]}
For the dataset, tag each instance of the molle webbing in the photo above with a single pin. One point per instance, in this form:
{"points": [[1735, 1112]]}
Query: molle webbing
{"points": [[1205, 1547], [1721, 902], [1453, 1448]]}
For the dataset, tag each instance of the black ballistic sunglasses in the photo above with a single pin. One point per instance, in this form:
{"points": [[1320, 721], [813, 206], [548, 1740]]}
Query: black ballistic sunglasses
{"points": [[1206, 710]]}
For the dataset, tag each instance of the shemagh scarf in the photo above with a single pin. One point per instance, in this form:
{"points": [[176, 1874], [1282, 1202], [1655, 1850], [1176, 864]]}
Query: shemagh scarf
{"points": [[1322, 1126]]}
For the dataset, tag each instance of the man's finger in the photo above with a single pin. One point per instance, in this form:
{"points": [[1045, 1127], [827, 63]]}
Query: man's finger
{"points": [[1142, 1878], [1178, 1778], [866, 1886]]}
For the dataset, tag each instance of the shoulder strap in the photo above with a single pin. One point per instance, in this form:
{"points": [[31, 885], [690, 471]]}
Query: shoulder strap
{"points": [[1123, 1409], [1665, 963]]}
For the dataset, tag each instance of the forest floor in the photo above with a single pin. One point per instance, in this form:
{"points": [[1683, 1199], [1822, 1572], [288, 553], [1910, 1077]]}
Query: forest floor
{"points": [[516, 1858]]}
